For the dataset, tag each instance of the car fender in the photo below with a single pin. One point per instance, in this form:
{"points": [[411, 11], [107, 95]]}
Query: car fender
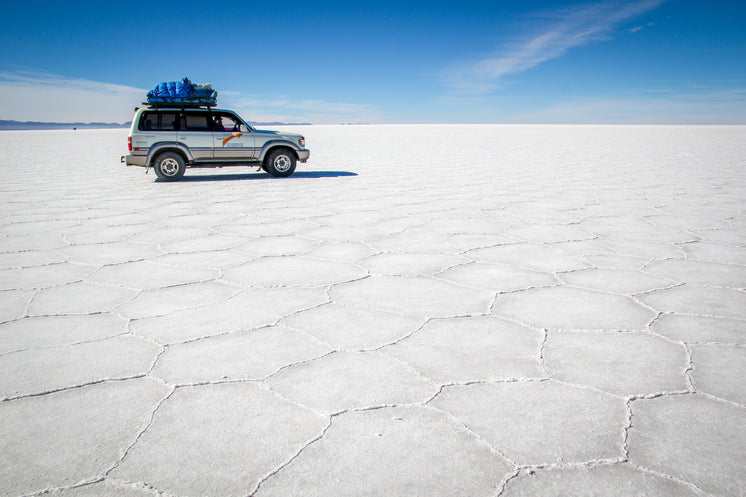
{"points": [[161, 147], [278, 143]]}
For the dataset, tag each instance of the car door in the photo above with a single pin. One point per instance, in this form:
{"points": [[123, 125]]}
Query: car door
{"points": [[196, 133], [229, 142]]}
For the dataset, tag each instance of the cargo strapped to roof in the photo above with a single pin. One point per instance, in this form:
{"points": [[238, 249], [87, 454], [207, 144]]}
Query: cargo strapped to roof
{"points": [[182, 94]]}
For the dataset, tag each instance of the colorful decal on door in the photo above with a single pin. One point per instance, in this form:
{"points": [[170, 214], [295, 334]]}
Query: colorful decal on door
{"points": [[229, 138]]}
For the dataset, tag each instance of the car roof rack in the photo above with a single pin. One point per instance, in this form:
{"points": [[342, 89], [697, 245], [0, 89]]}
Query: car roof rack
{"points": [[181, 103]]}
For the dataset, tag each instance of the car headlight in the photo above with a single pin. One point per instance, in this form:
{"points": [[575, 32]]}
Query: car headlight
{"points": [[302, 141]]}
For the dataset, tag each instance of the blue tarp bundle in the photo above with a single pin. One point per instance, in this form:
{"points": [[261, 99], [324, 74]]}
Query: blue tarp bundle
{"points": [[182, 92], [172, 89]]}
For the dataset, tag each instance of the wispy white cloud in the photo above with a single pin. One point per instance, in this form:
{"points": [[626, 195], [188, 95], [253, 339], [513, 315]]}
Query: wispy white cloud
{"points": [[315, 111], [30, 95], [561, 30], [27, 95], [724, 106]]}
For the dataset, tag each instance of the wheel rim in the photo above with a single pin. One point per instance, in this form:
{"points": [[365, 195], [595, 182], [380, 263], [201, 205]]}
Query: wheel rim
{"points": [[169, 167], [282, 163]]}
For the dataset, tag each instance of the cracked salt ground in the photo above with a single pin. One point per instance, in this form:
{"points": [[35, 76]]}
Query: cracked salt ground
{"points": [[569, 321]]}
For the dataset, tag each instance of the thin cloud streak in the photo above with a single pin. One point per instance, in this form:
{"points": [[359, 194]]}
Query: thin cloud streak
{"points": [[563, 30], [313, 111], [36, 96], [29, 95], [725, 106]]}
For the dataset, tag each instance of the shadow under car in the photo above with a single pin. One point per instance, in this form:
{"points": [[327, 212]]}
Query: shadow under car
{"points": [[263, 175]]}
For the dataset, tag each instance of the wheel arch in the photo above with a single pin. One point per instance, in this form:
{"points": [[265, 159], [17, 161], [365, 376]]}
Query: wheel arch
{"points": [[275, 144], [176, 147]]}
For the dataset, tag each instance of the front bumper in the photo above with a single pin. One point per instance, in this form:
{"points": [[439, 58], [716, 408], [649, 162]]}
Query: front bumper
{"points": [[134, 160], [303, 154]]}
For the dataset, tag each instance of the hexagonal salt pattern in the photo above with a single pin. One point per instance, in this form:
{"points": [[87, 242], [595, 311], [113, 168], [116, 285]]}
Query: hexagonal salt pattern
{"points": [[702, 300], [35, 371], [615, 280], [167, 300], [530, 256], [674, 435], [700, 273], [79, 298], [69, 437], [353, 327], [292, 271], [409, 264], [50, 331], [573, 308], [540, 422], [414, 296], [622, 363], [349, 380], [472, 349], [732, 252], [109, 488], [618, 480], [147, 275], [498, 277], [253, 354], [392, 451], [541, 311], [249, 309], [219, 440], [43, 276], [716, 369], [692, 328]]}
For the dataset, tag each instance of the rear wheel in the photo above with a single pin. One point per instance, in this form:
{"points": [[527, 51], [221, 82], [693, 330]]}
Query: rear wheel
{"points": [[169, 166], [280, 162]]}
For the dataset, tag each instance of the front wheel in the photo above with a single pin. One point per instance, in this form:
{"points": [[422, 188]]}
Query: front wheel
{"points": [[280, 162], [169, 166]]}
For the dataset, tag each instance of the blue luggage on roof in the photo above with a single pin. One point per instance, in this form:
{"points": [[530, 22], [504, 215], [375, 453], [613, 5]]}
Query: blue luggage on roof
{"points": [[183, 92]]}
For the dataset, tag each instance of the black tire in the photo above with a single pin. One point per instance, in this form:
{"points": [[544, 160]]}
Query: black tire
{"points": [[280, 162], [169, 166]]}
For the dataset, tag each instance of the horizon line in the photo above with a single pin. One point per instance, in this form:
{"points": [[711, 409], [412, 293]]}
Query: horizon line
{"points": [[8, 124]]}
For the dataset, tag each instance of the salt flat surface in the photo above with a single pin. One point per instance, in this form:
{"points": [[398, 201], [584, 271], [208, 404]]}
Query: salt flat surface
{"points": [[419, 310]]}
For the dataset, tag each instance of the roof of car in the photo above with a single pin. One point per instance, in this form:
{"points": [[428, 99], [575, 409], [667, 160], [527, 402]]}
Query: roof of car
{"points": [[181, 108]]}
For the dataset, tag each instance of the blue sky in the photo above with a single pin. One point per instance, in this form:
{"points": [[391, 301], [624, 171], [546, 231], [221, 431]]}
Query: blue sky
{"points": [[612, 61]]}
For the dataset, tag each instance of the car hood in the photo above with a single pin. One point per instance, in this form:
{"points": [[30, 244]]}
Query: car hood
{"points": [[283, 134]]}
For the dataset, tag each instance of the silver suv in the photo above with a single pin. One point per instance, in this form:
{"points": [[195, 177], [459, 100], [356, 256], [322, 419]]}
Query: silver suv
{"points": [[170, 138]]}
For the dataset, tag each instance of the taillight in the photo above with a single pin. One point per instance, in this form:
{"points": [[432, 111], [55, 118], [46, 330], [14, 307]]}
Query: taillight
{"points": [[129, 143]]}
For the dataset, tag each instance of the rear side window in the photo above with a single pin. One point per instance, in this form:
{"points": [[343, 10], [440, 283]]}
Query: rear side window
{"points": [[158, 121], [195, 122]]}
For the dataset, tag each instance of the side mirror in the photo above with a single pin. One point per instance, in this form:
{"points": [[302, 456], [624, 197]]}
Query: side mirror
{"points": [[245, 129]]}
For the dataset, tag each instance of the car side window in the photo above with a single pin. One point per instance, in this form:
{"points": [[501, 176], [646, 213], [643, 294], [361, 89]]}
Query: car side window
{"points": [[226, 123], [167, 121], [146, 121], [195, 122], [158, 121]]}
